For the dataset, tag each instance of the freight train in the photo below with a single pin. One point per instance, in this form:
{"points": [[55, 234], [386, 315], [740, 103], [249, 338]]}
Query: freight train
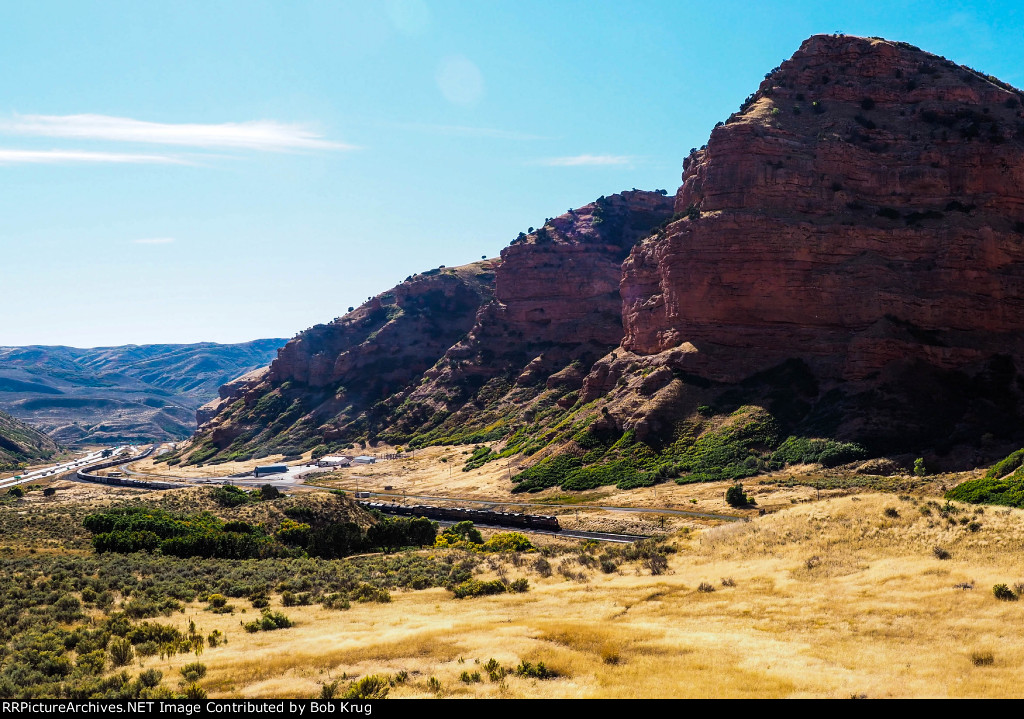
{"points": [[86, 474], [461, 514]]}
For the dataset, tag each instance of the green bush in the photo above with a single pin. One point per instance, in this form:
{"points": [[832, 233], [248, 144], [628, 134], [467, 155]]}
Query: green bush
{"points": [[508, 542], [828, 452], [1006, 466], [549, 472], [269, 492], [268, 622], [1006, 491], [193, 672], [230, 496], [121, 652], [736, 497], [369, 593], [518, 586], [480, 457], [150, 678], [195, 692], [495, 671], [1004, 593], [465, 532], [373, 686], [478, 588], [534, 671]]}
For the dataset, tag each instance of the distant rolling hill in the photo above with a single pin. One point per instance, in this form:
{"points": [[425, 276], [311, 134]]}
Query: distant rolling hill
{"points": [[20, 443], [129, 393]]}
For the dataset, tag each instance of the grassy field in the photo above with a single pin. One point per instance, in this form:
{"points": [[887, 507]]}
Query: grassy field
{"points": [[873, 595], [834, 599]]}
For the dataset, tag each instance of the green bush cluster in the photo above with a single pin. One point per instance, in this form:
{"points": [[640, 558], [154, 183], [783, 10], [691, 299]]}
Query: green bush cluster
{"points": [[736, 497], [1006, 466], [231, 496], [135, 529], [534, 671], [147, 529], [268, 622], [479, 588], [1003, 484], [827, 452], [478, 459], [747, 445]]}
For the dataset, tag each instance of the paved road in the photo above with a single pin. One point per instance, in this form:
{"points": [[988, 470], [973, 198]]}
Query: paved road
{"points": [[58, 469]]}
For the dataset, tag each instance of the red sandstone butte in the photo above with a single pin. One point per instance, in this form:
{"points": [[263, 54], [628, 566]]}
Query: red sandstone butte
{"points": [[864, 207]]}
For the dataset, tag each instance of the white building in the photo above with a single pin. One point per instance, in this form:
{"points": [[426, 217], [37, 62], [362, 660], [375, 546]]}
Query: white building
{"points": [[333, 462]]}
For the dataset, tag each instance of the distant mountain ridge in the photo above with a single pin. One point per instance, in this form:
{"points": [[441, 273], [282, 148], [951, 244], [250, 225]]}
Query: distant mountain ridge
{"points": [[126, 393]]}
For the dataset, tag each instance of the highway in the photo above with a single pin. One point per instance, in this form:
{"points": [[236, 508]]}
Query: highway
{"points": [[59, 468]]}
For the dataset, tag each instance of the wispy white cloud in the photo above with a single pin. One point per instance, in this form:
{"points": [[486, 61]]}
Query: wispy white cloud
{"points": [[266, 135], [584, 160], [466, 131], [154, 241], [56, 157]]}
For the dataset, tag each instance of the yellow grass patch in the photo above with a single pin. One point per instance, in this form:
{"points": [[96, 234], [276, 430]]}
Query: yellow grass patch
{"points": [[876, 614]]}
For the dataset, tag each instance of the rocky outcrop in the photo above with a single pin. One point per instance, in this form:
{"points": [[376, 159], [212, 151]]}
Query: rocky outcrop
{"points": [[865, 207], [229, 392], [863, 213], [556, 308], [443, 350], [328, 381]]}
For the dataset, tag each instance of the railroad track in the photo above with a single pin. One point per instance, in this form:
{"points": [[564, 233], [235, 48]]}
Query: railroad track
{"points": [[546, 505], [572, 533]]}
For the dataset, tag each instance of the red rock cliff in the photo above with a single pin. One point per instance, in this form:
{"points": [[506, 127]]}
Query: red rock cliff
{"points": [[864, 207]]}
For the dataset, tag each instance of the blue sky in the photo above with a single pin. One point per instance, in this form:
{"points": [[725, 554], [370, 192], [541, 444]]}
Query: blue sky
{"points": [[221, 171]]}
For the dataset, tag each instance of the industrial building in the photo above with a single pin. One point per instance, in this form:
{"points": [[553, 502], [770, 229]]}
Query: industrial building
{"points": [[334, 462]]}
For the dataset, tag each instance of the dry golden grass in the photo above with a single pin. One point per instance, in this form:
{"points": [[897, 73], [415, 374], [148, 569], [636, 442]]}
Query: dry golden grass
{"points": [[829, 599]]}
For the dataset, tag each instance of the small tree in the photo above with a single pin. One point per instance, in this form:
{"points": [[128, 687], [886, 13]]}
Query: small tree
{"points": [[193, 672], [736, 497], [269, 491], [919, 468], [121, 652]]}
